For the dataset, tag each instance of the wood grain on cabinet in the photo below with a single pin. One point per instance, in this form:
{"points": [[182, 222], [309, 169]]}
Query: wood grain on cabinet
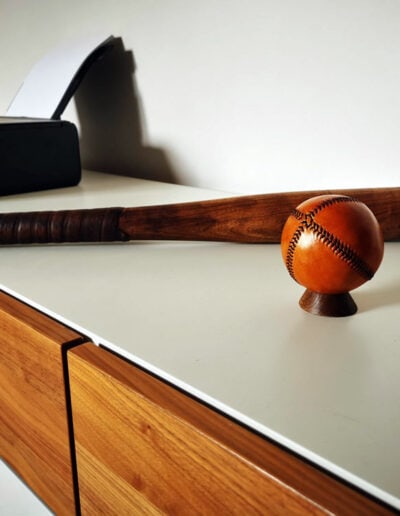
{"points": [[144, 447], [34, 418]]}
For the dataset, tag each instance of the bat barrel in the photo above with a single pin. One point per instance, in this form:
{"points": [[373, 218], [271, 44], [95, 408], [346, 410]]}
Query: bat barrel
{"points": [[248, 218]]}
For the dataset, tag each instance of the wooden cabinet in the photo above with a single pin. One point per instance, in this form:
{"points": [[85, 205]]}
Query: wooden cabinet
{"points": [[143, 447], [35, 431], [93, 433]]}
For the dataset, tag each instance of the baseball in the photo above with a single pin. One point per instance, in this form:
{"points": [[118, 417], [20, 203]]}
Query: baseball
{"points": [[332, 244]]}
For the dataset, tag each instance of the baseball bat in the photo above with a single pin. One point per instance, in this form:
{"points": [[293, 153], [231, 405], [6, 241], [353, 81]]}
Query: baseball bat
{"points": [[246, 218]]}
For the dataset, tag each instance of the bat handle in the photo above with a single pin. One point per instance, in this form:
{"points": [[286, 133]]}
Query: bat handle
{"points": [[91, 225]]}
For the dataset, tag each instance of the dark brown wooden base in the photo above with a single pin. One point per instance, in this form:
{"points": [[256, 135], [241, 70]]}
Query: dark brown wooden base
{"points": [[330, 305]]}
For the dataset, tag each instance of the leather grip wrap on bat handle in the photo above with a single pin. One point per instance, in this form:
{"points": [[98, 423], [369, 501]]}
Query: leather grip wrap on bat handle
{"points": [[92, 225]]}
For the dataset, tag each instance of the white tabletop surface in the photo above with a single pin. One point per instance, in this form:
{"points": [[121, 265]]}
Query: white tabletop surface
{"points": [[223, 322]]}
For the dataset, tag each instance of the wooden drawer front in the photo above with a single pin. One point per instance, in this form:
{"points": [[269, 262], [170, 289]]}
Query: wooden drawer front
{"points": [[34, 425], [143, 447]]}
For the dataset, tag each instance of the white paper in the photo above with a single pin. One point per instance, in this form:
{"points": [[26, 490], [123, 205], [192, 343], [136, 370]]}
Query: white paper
{"points": [[41, 92]]}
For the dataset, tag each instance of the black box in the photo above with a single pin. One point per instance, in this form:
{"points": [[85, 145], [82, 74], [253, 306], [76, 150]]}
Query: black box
{"points": [[38, 154]]}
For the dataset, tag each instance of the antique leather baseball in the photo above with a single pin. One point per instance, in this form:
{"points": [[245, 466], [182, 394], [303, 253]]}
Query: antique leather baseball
{"points": [[332, 244]]}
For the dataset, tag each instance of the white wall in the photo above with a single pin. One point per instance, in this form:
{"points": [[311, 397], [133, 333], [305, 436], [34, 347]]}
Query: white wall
{"points": [[248, 96]]}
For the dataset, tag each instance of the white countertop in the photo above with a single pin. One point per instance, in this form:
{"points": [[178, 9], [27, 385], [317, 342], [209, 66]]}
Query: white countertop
{"points": [[222, 321], [16, 499]]}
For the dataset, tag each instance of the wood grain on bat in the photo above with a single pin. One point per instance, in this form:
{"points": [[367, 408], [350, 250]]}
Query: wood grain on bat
{"points": [[247, 219]]}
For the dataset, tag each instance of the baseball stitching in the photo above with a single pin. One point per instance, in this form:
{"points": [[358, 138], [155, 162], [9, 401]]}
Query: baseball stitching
{"points": [[342, 250]]}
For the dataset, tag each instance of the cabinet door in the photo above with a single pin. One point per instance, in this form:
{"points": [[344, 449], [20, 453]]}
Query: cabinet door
{"points": [[143, 447], [34, 414]]}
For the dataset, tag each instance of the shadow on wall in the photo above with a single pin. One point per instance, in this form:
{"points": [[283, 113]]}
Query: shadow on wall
{"points": [[111, 130]]}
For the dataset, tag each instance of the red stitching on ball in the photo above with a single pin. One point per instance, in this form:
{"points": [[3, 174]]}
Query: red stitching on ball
{"points": [[329, 202], [342, 250], [292, 248]]}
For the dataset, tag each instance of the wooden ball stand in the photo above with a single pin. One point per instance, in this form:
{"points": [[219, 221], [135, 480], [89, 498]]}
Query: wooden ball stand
{"points": [[329, 305]]}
